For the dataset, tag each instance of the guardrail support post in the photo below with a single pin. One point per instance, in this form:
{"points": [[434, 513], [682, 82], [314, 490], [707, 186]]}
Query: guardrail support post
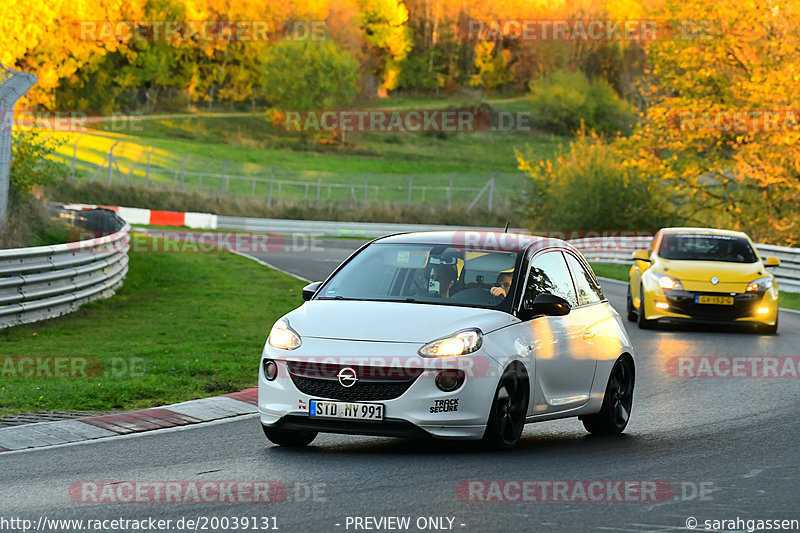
{"points": [[14, 85], [410, 185], [366, 183]]}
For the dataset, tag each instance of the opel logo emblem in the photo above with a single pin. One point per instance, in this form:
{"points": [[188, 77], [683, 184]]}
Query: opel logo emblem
{"points": [[347, 377], [714, 280]]}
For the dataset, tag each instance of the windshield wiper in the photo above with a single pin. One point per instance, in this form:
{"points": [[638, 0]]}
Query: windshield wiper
{"points": [[341, 298]]}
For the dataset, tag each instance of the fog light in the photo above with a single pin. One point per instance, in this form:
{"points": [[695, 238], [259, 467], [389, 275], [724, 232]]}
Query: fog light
{"points": [[450, 380], [270, 369], [763, 310], [662, 305]]}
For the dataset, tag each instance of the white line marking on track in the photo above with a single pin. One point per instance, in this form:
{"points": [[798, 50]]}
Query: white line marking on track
{"points": [[273, 267]]}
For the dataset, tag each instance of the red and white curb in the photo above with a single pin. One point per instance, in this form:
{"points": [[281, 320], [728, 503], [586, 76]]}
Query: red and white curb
{"points": [[153, 217], [95, 427]]}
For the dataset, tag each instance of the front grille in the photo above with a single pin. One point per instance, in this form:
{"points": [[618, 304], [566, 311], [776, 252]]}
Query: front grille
{"points": [[683, 302], [319, 380]]}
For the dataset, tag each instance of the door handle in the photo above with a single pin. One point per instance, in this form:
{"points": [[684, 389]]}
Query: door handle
{"points": [[588, 334]]}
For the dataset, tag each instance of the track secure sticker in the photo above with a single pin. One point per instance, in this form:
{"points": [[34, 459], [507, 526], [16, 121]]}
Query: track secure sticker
{"points": [[444, 406]]}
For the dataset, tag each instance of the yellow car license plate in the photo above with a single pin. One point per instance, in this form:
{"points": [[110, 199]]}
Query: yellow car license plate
{"points": [[714, 300]]}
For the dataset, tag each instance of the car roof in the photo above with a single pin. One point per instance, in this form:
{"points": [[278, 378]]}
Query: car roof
{"points": [[705, 231], [483, 240]]}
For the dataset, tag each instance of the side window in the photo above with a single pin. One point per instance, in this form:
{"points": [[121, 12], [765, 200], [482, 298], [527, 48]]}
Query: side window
{"points": [[549, 274], [588, 291]]}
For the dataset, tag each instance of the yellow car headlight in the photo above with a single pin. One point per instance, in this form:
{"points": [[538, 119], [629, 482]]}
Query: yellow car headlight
{"points": [[760, 285], [283, 337], [668, 282], [460, 343]]}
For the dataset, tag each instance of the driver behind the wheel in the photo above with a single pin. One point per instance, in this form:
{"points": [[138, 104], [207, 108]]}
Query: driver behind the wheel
{"points": [[443, 277], [502, 285]]}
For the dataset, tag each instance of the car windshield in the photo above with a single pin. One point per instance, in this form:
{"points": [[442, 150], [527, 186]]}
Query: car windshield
{"points": [[428, 274], [695, 247]]}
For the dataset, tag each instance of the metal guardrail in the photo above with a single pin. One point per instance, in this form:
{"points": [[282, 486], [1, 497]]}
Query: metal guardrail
{"points": [[617, 249], [48, 281]]}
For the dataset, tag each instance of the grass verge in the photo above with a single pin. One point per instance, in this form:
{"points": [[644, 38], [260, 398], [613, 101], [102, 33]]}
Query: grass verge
{"points": [[157, 344], [788, 300]]}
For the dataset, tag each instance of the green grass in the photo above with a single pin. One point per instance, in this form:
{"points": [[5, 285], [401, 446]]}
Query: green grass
{"points": [[188, 350], [788, 300], [613, 271], [252, 146]]}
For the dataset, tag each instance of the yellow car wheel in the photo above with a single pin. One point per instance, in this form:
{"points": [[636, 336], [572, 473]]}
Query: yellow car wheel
{"points": [[641, 321]]}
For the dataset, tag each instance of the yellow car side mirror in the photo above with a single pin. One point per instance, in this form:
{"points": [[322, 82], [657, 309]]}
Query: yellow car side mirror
{"points": [[772, 262], [640, 255]]}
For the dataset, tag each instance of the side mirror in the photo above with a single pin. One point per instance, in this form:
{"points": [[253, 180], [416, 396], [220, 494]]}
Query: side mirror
{"points": [[310, 289], [772, 262], [544, 304], [640, 255]]}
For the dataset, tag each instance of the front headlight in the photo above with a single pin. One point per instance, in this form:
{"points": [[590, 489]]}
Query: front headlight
{"points": [[760, 285], [460, 343], [283, 337], [668, 282]]}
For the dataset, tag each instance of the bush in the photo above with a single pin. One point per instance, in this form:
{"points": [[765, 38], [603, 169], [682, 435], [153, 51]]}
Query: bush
{"points": [[27, 221], [563, 101], [590, 187]]}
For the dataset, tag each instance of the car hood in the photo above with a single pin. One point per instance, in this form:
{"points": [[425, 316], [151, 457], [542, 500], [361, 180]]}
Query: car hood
{"points": [[390, 321], [704, 270]]}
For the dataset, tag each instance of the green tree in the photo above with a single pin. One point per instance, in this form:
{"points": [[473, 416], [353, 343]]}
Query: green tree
{"points": [[305, 75]]}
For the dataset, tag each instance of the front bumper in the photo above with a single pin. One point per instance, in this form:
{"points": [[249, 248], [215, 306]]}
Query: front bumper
{"points": [[683, 305], [282, 403]]}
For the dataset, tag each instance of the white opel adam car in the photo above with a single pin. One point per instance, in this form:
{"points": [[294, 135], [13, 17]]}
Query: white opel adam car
{"points": [[456, 335]]}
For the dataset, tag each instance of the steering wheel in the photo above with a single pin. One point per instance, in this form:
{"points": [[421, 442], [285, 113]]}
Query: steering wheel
{"points": [[480, 296]]}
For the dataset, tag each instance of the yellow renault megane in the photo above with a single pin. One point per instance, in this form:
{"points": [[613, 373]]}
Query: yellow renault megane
{"points": [[702, 275]]}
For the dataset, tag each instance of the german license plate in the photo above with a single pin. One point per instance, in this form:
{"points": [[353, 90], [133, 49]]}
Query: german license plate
{"points": [[347, 410], [714, 300]]}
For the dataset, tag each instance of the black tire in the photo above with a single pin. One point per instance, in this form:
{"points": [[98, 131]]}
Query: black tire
{"points": [[641, 321], [631, 311], [509, 409], [294, 439], [617, 402]]}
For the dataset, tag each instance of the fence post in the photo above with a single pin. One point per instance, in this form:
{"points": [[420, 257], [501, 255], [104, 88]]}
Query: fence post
{"points": [[253, 187], [147, 173], [271, 180], [74, 157], [450, 191], [491, 189], [319, 186], [366, 182], [410, 184], [222, 187], [183, 168], [111, 161]]}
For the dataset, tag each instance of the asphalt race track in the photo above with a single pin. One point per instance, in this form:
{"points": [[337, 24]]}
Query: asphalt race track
{"points": [[727, 447]]}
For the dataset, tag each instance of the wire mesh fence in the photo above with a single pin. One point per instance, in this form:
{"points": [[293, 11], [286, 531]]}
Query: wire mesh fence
{"points": [[130, 163]]}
